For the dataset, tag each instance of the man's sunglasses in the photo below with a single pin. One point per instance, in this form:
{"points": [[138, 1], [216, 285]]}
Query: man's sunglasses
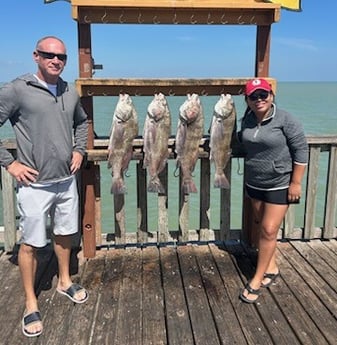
{"points": [[51, 56], [263, 95]]}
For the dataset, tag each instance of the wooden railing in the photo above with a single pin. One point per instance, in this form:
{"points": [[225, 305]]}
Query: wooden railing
{"points": [[322, 160]]}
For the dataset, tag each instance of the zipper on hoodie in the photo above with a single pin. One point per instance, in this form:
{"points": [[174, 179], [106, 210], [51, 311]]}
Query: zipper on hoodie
{"points": [[257, 130]]}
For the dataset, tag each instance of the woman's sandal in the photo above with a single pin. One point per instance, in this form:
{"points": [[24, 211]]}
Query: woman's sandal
{"points": [[272, 277], [251, 291]]}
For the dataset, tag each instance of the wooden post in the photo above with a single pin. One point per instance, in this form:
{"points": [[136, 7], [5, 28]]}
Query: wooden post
{"points": [[205, 172], [9, 205]]}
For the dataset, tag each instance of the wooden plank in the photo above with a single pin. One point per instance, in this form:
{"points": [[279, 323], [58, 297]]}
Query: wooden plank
{"points": [[200, 313], [177, 3], [12, 302], [204, 214], [89, 174], [224, 315], [310, 292], [153, 305], [250, 322], [129, 304], [176, 12], [289, 223], [82, 318], [332, 245], [184, 212], [285, 293], [320, 263], [328, 256], [329, 230], [177, 317], [119, 213], [269, 312], [163, 231], [225, 205], [262, 54], [103, 331], [169, 86], [142, 220], [312, 181], [9, 209]]}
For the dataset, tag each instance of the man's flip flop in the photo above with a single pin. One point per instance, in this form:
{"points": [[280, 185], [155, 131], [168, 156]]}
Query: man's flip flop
{"points": [[29, 320], [71, 292]]}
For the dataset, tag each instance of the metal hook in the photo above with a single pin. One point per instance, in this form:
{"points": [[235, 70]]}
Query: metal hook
{"points": [[239, 20], [174, 20], [171, 93], [209, 21], [103, 18], [251, 21], [140, 21], [121, 20], [86, 19], [222, 19], [204, 93], [192, 20], [90, 93], [155, 20]]}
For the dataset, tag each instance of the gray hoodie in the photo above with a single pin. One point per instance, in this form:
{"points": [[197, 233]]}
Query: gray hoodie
{"points": [[48, 128], [272, 147]]}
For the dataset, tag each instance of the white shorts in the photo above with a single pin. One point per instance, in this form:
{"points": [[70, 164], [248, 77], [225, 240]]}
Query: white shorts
{"points": [[36, 204]]}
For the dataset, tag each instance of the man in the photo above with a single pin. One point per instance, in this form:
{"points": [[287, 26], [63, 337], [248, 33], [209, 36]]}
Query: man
{"points": [[51, 133]]}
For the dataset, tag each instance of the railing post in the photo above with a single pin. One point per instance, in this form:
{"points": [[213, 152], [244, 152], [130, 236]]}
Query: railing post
{"points": [[9, 206], [331, 196]]}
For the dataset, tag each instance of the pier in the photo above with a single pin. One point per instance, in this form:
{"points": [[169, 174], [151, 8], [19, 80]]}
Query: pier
{"points": [[179, 285]]}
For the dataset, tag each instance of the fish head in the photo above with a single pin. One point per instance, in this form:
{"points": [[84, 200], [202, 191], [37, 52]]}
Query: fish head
{"points": [[224, 107], [190, 109], [158, 107], [124, 108]]}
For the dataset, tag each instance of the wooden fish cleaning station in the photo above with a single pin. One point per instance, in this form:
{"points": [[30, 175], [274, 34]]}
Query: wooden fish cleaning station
{"points": [[159, 12]]}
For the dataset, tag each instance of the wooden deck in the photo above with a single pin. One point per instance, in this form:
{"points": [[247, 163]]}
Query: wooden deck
{"points": [[180, 295]]}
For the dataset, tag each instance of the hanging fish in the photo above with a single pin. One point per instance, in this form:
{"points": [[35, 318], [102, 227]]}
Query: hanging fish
{"points": [[189, 133], [123, 130], [221, 131], [157, 130]]}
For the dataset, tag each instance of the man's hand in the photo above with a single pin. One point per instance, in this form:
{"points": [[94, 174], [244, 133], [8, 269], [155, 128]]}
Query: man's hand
{"points": [[22, 173], [76, 162]]}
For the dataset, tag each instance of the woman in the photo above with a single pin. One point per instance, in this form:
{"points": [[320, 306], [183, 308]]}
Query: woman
{"points": [[275, 162]]}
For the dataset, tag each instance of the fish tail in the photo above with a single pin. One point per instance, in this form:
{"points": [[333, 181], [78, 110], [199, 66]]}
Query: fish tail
{"points": [[220, 181], [189, 186], [118, 186], [155, 186]]}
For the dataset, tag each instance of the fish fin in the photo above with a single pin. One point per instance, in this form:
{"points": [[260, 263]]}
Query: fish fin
{"points": [[189, 186], [155, 186], [220, 181], [118, 186]]}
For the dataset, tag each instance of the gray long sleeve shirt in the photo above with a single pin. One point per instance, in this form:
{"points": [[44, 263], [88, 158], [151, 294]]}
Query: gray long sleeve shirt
{"points": [[48, 128], [272, 147]]}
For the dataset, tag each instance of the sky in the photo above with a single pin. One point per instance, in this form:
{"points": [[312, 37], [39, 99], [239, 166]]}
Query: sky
{"points": [[303, 45]]}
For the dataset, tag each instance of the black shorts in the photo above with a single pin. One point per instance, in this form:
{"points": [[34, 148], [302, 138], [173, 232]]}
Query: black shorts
{"points": [[279, 196]]}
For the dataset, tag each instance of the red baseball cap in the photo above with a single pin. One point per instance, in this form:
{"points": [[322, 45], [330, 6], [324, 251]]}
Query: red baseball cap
{"points": [[257, 84]]}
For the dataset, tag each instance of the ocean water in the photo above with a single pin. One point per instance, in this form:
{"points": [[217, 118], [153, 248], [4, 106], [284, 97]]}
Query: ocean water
{"points": [[314, 104]]}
